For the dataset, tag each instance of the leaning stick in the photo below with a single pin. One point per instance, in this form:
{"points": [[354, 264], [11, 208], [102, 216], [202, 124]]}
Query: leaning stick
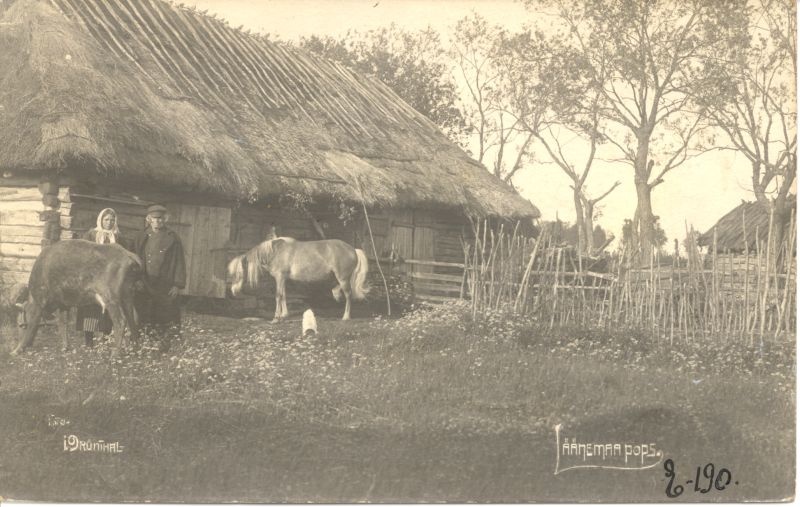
{"points": [[375, 250]]}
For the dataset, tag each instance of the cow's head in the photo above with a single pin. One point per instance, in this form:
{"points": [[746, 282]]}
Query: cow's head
{"points": [[22, 314], [18, 301]]}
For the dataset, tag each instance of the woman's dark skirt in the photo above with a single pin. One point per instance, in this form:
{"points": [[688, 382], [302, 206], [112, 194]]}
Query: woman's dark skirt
{"points": [[91, 318]]}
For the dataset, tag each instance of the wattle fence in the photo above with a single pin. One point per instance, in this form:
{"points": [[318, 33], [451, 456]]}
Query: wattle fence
{"points": [[747, 297]]}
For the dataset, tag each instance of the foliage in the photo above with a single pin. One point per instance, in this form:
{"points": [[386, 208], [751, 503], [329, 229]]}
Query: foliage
{"points": [[644, 60], [553, 98], [751, 99], [401, 293], [629, 232], [296, 201], [490, 113], [564, 233], [412, 64]]}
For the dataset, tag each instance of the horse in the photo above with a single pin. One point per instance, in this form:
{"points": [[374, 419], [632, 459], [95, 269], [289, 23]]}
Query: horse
{"points": [[302, 261]]}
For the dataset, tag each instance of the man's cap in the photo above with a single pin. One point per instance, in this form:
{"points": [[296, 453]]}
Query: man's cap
{"points": [[156, 210]]}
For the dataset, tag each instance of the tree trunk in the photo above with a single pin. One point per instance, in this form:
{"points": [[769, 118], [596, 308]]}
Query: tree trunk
{"points": [[579, 218], [780, 219], [778, 207], [588, 227], [643, 218]]}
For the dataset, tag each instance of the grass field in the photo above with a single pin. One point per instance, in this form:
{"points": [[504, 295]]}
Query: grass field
{"points": [[429, 407]]}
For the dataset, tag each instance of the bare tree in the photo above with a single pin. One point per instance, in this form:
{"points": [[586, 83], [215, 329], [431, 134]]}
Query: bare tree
{"points": [[644, 59], [489, 115], [552, 95], [751, 98]]}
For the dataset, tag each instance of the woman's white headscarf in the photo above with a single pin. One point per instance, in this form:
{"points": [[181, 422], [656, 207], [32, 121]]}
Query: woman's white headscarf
{"points": [[103, 235]]}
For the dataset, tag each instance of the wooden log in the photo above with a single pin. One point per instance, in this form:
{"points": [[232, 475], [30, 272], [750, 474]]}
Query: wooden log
{"points": [[435, 298], [66, 222], [434, 263], [20, 181], [30, 240], [48, 186], [20, 217], [107, 201], [83, 220], [427, 287], [437, 277], [51, 202], [94, 208], [19, 193], [34, 230], [24, 250], [9, 278], [16, 264]]}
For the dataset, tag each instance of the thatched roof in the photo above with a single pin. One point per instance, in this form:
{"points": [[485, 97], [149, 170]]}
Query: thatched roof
{"points": [[146, 90], [748, 216]]}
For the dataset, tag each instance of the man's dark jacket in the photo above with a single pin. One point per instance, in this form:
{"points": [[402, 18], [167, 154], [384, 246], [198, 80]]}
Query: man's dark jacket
{"points": [[173, 269]]}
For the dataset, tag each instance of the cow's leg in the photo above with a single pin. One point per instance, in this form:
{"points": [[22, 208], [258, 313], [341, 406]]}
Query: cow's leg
{"points": [[118, 319], [130, 316], [63, 324], [33, 315]]}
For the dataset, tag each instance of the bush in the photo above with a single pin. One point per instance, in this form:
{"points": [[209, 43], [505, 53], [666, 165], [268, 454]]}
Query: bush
{"points": [[401, 294]]}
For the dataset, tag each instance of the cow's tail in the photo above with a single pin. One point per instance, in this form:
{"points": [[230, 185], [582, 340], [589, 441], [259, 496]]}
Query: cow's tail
{"points": [[358, 280]]}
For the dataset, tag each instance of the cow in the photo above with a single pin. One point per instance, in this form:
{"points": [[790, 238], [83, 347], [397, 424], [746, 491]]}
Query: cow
{"points": [[76, 273]]}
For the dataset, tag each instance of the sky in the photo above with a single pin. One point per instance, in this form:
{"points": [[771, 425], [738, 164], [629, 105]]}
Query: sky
{"points": [[696, 194]]}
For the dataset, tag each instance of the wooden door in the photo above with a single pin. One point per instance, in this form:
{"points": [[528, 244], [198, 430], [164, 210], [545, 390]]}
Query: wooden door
{"points": [[204, 232], [423, 248], [402, 239]]}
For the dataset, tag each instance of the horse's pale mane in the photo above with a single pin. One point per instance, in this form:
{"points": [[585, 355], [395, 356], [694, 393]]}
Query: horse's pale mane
{"points": [[259, 257], [253, 266]]}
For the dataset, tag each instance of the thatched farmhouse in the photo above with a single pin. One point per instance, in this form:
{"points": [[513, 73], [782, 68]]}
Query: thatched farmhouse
{"points": [[123, 103], [744, 228], [737, 245]]}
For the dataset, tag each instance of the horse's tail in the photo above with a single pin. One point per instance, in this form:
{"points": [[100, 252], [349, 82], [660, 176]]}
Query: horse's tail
{"points": [[358, 279]]}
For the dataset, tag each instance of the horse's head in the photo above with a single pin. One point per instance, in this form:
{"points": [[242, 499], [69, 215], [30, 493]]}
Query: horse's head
{"points": [[244, 270]]}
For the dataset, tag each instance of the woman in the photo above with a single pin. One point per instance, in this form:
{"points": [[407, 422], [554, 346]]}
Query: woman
{"points": [[91, 318]]}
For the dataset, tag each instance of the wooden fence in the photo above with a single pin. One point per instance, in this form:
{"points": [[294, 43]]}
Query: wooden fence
{"points": [[745, 297]]}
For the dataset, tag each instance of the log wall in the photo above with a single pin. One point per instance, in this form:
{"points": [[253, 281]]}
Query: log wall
{"points": [[35, 212], [22, 228]]}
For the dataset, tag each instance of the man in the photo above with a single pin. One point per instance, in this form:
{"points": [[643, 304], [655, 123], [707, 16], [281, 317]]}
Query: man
{"points": [[161, 252]]}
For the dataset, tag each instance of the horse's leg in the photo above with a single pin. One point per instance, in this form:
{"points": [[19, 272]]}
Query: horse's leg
{"points": [[285, 308], [347, 295], [346, 290], [279, 289], [277, 306]]}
